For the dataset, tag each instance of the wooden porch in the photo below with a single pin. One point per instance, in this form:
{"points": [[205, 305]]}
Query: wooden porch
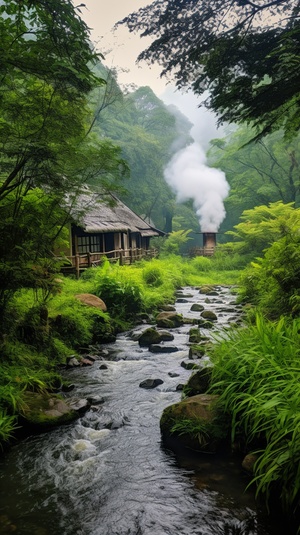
{"points": [[77, 263]]}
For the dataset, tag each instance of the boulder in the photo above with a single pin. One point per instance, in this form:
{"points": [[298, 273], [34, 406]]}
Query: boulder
{"points": [[96, 400], [194, 335], [166, 336], [205, 324], [168, 308], [79, 405], [189, 365], [196, 307], [198, 383], [72, 362], [42, 411], [86, 362], [209, 315], [208, 289], [157, 348], [148, 337], [151, 383], [194, 423], [196, 351], [249, 462], [92, 300], [169, 319]]}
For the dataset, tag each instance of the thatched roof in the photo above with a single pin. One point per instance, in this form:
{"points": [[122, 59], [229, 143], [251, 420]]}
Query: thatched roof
{"points": [[96, 212]]}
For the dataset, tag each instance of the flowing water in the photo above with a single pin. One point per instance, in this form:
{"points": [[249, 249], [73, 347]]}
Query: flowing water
{"points": [[109, 474]]}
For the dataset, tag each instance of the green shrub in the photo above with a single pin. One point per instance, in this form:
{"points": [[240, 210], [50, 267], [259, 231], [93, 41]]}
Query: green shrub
{"points": [[8, 425], [72, 327], [153, 276], [201, 263], [228, 261], [123, 297], [273, 282], [256, 374]]}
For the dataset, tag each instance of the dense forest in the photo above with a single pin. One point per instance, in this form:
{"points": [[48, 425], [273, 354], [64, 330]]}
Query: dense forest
{"points": [[66, 124]]}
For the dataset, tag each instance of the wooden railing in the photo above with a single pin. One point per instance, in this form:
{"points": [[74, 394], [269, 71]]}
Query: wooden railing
{"points": [[77, 263], [202, 251]]}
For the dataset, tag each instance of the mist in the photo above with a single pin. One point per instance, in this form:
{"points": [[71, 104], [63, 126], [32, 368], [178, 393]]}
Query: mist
{"points": [[204, 122], [190, 178]]}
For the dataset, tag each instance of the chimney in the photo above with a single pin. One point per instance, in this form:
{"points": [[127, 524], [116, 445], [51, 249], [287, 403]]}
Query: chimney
{"points": [[209, 243]]}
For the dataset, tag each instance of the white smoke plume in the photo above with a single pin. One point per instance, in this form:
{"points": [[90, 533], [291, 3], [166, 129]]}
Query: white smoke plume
{"points": [[190, 178]]}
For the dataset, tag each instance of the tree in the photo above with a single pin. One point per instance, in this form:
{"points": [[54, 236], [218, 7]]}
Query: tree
{"points": [[272, 281], [258, 173], [262, 226], [45, 76], [148, 132], [245, 52]]}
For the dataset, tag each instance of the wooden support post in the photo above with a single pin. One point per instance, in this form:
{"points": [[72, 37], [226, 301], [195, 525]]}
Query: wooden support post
{"points": [[89, 259], [77, 265], [121, 258]]}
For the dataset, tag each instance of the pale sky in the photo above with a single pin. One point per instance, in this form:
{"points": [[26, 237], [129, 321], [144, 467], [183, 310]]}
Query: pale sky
{"points": [[122, 46], [121, 49]]}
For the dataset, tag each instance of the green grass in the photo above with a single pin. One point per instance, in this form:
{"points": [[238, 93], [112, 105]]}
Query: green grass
{"points": [[256, 372], [31, 351]]}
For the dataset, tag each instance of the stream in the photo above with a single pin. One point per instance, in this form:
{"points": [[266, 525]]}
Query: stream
{"points": [[109, 474]]}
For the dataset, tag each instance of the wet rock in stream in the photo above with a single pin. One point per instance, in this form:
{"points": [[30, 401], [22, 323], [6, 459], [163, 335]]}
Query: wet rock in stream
{"points": [[150, 383], [152, 336], [157, 348]]}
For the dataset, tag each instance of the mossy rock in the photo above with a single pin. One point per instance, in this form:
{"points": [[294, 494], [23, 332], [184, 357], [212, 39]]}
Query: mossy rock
{"points": [[194, 423], [196, 307], [148, 337], [166, 336], [151, 336], [208, 289], [169, 319], [189, 365], [91, 300], [197, 351], [205, 324], [209, 315], [168, 308], [42, 411], [194, 335], [198, 383]]}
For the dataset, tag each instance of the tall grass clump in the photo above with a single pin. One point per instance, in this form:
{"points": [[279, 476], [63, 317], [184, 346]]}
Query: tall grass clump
{"points": [[256, 374], [142, 287], [201, 264]]}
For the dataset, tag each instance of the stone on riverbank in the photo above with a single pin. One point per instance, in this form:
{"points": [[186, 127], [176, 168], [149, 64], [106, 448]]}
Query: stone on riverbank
{"points": [[197, 351], [42, 411], [92, 300], [198, 382], [194, 423]]}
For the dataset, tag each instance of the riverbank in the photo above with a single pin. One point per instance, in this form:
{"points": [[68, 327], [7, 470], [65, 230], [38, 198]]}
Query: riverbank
{"points": [[108, 472], [46, 334], [41, 332]]}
